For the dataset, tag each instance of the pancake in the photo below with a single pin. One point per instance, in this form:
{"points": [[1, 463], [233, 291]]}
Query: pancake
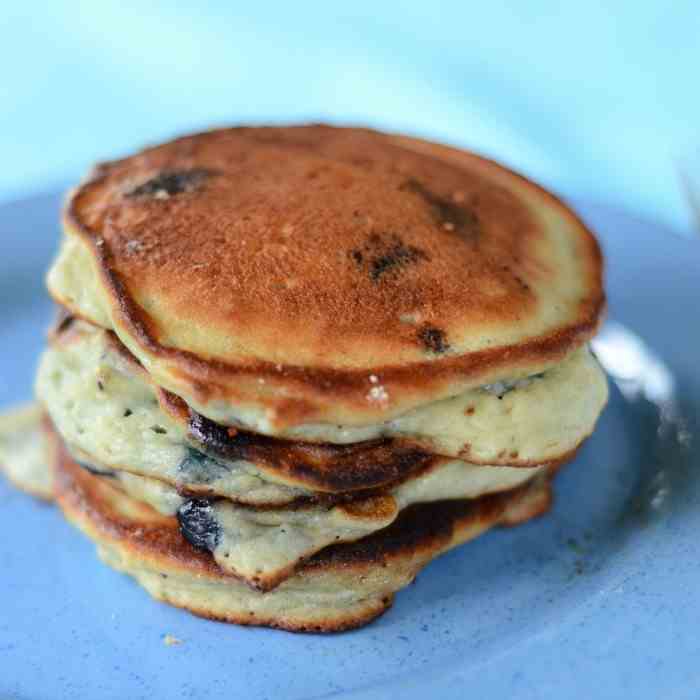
{"points": [[23, 456], [342, 587], [301, 281], [108, 412], [523, 422]]}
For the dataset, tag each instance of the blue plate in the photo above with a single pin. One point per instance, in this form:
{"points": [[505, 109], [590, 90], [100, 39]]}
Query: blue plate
{"points": [[599, 599]]}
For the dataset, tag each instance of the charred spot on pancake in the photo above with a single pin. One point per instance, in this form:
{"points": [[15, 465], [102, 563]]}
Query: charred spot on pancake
{"points": [[433, 339], [447, 213], [354, 467], [168, 183], [209, 434], [416, 526], [198, 524], [385, 255], [216, 440]]}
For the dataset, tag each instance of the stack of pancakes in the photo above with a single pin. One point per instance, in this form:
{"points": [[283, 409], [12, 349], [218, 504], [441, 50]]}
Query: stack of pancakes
{"points": [[296, 364]]}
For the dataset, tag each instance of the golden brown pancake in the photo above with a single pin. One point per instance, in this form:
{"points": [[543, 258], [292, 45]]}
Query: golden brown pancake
{"points": [[285, 277], [342, 587]]}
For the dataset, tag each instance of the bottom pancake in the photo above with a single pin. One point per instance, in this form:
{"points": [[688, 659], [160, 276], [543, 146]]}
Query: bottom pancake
{"points": [[341, 587]]}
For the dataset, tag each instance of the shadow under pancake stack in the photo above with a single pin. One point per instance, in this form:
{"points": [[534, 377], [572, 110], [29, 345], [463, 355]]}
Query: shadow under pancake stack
{"points": [[293, 365]]}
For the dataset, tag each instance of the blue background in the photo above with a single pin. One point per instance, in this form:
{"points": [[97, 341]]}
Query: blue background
{"points": [[597, 100]]}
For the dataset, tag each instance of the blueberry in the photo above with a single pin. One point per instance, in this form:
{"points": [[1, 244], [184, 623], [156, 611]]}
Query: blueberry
{"points": [[433, 339], [168, 183], [198, 524], [211, 436], [197, 468]]}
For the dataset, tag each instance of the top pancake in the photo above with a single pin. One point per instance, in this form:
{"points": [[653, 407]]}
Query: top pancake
{"points": [[313, 274]]}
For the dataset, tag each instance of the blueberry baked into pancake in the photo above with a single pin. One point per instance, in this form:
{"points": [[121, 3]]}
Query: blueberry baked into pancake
{"points": [[293, 365]]}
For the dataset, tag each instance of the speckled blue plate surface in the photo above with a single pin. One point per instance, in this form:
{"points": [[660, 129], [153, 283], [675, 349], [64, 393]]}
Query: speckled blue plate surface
{"points": [[598, 599]]}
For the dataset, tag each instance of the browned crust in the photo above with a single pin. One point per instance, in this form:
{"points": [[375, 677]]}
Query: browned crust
{"points": [[315, 388], [361, 466], [381, 463], [321, 466]]}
